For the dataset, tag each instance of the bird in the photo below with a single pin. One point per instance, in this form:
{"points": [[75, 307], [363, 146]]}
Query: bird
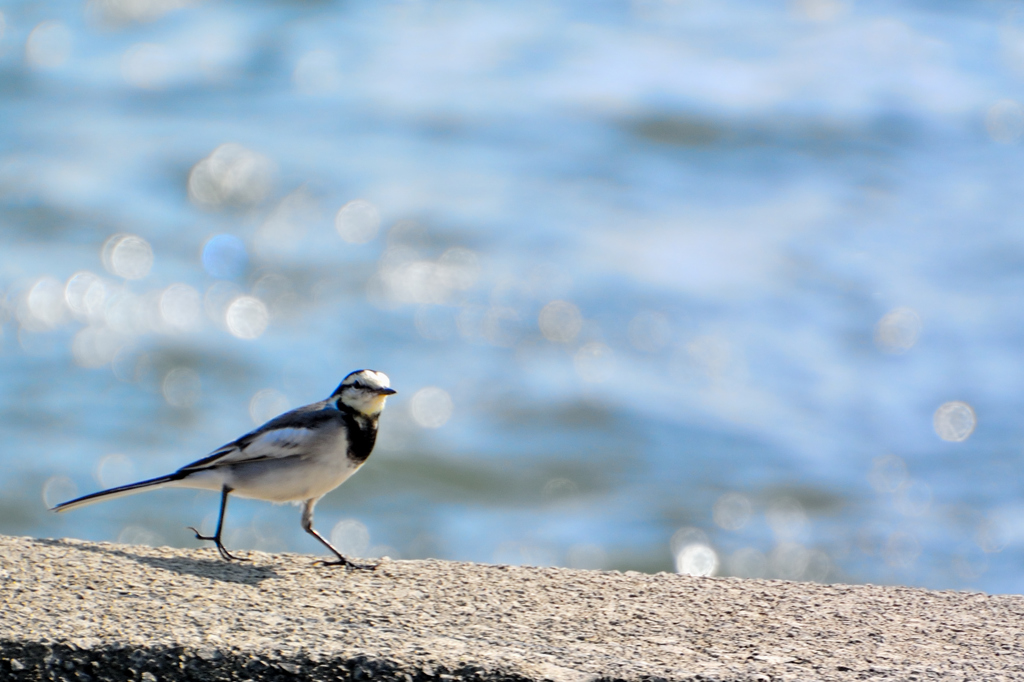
{"points": [[297, 457]]}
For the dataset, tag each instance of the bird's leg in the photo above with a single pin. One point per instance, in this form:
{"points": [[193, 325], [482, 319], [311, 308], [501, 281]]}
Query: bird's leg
{"points": [[307, 525], [227, 556]]}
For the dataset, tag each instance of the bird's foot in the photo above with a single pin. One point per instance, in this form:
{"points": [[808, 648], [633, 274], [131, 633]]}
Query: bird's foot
{"points": [[342, 561], [221, 549]]}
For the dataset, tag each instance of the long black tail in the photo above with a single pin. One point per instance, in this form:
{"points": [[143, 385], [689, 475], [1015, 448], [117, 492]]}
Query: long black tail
{"points": [[120, 491]]}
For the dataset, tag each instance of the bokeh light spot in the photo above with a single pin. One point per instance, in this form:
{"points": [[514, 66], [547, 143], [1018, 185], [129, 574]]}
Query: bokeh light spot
{"points": [[85, 294], [560, 321], [713, 356], [594, 362], [46, 303], [819, 566], [687, 535], [281, 235], [786, 517], [126, 313], [267, 404], [114, 470], [914, 499], [994, 534], [404, 277], [748, 562], [500, 326], [901, 550], [559, 488], [58, 489], [969, 564], [350, 537], [181, 387], [898, 330], [134, 534], [888, 473], [431, 407], [128, 256], [357, 222], [696, 559], [732, 511], [789, 561], [224, 256], [247, 317], [230, 176], [649, 331], [96, 346], [459, 268], [217, 298], [129, 365], [48, 45], [954, 421], [181, 307], [793, 561], [278, 292]]}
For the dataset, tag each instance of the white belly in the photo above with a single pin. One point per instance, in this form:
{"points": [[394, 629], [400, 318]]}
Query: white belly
{"points": [[277, 480]]}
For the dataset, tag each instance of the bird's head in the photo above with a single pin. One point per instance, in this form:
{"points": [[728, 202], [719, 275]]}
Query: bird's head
{"points": [[364, 392]]}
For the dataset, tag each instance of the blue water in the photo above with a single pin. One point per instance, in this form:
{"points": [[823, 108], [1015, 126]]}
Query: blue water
{"points": [[691, 270]]}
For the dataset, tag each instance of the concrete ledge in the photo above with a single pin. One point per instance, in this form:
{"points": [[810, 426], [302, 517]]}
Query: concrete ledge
{"points": [[72, 610]]}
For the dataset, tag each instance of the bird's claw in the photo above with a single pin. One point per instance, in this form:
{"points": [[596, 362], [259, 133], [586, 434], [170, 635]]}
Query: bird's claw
{"points": [[346, 563], [221, 549], [198, 535]]}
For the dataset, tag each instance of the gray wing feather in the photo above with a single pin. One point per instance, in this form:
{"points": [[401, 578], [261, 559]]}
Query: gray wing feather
{"points": [[288, 435]]}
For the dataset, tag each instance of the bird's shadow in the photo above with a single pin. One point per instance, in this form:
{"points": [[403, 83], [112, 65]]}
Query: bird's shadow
{"points": [[214, 569]]}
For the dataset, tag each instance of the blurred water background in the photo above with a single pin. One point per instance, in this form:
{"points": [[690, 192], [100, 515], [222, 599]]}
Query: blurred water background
{"points": [[701, 285]]}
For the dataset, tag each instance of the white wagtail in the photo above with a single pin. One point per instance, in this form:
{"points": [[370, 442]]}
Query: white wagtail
{"points": [[299, 456]]}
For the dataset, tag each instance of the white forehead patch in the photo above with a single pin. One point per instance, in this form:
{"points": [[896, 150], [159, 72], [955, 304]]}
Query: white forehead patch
{"points": [[370, 378]]}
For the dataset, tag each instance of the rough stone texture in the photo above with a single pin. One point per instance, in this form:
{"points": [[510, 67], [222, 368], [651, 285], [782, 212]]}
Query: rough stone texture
{"points": [[72, 610]]}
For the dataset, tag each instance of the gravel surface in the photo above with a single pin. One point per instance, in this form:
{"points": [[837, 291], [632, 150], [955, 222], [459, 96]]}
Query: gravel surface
{"points": [[95, 611]]}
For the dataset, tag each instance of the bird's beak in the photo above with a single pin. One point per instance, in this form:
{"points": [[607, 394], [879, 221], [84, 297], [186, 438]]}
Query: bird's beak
{"points": [[386, 391]]}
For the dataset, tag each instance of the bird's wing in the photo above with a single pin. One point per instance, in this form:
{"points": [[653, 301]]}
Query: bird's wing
{"points": [[289, 435]]}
